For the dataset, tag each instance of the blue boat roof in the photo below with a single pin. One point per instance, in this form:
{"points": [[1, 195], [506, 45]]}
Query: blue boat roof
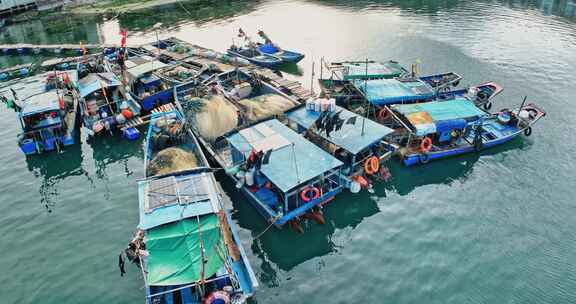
{"points": [[443, 110], [94, 82], [390, 91], [294, 160], [39, 103], [172, 198], [350, 137]]}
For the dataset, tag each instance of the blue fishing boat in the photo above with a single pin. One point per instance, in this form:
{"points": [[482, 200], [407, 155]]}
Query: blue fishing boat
{"points": [[364, 70], [47, 106], [254, 56], [270, 48], [186, 245], [104, 105], [355, 140], [439, 129]]}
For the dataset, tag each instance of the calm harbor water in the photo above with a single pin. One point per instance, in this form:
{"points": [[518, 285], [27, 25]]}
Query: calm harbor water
{"points": [[491, 228]]}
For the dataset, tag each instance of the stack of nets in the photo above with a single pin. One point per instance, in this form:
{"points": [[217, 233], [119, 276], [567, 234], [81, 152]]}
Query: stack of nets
{"points": [[266, 105], [172, 160], [215, 117]]}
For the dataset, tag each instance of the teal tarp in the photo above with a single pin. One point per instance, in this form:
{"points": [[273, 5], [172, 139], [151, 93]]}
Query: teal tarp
{"points": [[175, 256], [443, 110]]}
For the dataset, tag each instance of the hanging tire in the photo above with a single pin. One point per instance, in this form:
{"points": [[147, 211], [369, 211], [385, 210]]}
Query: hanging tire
{"points": [[487, 106], [424, 158], [528, 131]]}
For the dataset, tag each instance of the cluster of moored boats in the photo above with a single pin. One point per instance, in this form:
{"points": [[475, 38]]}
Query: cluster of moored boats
{"points": [[288, 151]]}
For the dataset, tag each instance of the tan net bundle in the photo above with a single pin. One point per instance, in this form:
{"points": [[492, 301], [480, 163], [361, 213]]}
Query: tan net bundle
{"points": [[216, 117], [171, 160], [266, 105]]}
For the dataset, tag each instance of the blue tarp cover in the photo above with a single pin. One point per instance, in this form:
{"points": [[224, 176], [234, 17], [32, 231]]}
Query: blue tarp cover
{"points": [[94, 82], [290, 165], [268, 49], [389, 91], [443, 110], [350, 136]]}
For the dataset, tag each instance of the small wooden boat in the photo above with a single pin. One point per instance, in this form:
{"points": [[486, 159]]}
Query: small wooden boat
{"points": [[104, 106], [186, 245], [47, 106], [439, 129], [268, 47]]}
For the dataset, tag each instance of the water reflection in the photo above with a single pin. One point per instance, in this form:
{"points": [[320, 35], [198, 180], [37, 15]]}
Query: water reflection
{"points": [[114, 150], [53, 169]]}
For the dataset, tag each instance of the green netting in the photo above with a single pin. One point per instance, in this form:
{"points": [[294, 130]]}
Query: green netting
{"points": [[175, 251]]}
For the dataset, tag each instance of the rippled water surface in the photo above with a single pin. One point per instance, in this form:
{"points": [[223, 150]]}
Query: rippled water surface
{"points": [[491, 228]]}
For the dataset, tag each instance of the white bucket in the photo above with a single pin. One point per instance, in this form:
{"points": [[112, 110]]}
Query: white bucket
{"points": [[355, 187]]}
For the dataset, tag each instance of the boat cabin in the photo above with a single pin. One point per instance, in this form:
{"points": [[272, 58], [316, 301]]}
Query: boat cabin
{"points": [[47, 107], [150, 90], [355, 140], [283, 175], [104, 104]]}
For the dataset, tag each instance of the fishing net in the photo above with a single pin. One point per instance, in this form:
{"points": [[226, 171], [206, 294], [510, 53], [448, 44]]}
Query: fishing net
{"points": [[171, 160], [214, 117], [266, 105]]}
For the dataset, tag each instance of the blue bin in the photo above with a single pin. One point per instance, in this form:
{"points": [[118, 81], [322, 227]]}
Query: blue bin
{"points": [[49, 144], [21, 51], [131, 134], [28, 146]]}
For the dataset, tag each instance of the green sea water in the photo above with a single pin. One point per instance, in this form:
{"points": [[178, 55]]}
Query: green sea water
{"points": [[498, 227]]}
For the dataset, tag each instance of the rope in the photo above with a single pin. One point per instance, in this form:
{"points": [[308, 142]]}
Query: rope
{"points": [[276, 218]]}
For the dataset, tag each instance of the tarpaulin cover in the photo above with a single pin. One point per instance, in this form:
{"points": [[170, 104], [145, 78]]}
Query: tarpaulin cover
{"points": [[144, 68], [357, 70], [175, 256], [449, 125], [268, 48], [390, 91], [422, 122], [443, 110]]}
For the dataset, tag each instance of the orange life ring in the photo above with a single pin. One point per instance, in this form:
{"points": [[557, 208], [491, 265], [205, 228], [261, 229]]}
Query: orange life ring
{"points": [[372, 165], [383, 114], [315, 194], [426, 144], [217, 296]]}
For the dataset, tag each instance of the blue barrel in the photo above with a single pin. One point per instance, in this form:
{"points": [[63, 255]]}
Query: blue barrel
{"points": [[65, 66], [6, 51], [4, 76], [24, 72], [108, 51], [20, 51]]}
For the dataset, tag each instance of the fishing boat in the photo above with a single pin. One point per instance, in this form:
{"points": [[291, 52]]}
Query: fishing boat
{"points": [[254, 56], [47, 106], [355, 140], [364, 70], [439, 129], [270, 48], [186, 245], [104, 105]]}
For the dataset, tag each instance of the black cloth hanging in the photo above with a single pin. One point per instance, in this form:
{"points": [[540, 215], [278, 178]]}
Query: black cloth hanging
{"points": [[266, 158]]}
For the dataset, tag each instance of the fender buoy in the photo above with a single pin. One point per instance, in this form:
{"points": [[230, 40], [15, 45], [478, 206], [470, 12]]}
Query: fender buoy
{"points": [[426, 145], [424, 158], [383, 114], [315, 194], [126, 113], [61, 103], [217, 297], [528, 131], [53, 114], [372, 165], [361, 180]]}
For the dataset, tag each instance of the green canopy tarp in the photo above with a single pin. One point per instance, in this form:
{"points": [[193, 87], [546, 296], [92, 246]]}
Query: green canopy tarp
{"points": [[175, 251]]}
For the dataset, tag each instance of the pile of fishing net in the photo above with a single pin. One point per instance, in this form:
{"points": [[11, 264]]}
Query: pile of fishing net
{"points": [[171, 160], [266, 105], [214, 117]]}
